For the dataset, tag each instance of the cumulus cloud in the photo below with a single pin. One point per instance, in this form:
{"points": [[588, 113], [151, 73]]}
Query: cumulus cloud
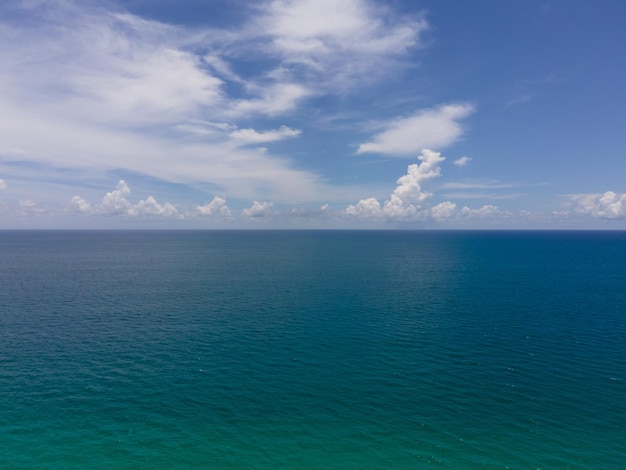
{"points": [[251, 136], [609, 205], [115, 203], [150, 206], [366, 209], [483, 212], [435, 127], [258, 210], [462, 161], [80, 205], [408, 201], [216, 208], [443, 211], [3, 185], [408, 196]]}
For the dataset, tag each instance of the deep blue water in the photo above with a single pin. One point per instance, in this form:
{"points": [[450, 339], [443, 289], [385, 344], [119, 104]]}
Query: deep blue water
{"points": [[262, 349]]}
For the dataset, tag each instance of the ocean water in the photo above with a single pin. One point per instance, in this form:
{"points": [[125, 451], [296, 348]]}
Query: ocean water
{"points": [[312, 350]]}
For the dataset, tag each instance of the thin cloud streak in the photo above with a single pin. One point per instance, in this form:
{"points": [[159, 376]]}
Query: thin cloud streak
{"points": [[427, 128]]}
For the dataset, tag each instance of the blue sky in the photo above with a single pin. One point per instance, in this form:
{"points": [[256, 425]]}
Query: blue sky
{"points": [[312, 114]]}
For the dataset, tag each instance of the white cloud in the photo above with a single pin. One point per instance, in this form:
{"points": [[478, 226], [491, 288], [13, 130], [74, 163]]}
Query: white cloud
{"points": [[339, 42], [308, 214], [408, 201], [115, 203], [408, 196], [80, 205], [366, 209], [443, 211], [124, 88], [609, 205], [258, 210], [216, 208], [409, 188], [275, 99], [462, 161], [435, 127], [3, 185], [250, 136], [489, 190], [483, 212], [29, 207], [106, 67], [88, 88], [150, 206], [453, 185]]}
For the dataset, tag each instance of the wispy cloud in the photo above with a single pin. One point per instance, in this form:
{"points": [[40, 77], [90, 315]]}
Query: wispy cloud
{"points": [[427, 128], [121, 92], [468, 185], [250, 136], [338, 43], [462, 161], [526, 90]]}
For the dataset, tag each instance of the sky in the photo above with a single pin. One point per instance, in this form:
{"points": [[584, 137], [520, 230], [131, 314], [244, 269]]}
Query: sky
{"points": [[315, 114]]}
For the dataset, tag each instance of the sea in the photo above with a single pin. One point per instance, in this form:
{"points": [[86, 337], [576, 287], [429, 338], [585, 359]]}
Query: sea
{"points": [[312, 349]]}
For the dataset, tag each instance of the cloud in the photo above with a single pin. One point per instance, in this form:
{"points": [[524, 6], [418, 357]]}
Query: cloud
{"points": [[275, 99], [139, 95], [323, 212], [106, 66], [609, 205], [338, 42], [408, 196], [443, 211], [216, 208], [3, 185], [462, 161], [481, 195], [483, 212], [495, 185], [29, 207], [408, 201], [151, 207], [258, 210], [435, 127], [114, 203], [489, 190], [80, 205], [365, 209], [527, 90], [447, 210], [250, 136], [88, 88]]}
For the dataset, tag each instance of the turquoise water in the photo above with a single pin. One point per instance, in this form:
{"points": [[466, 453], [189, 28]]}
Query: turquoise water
{"points": [[312, 350]]}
